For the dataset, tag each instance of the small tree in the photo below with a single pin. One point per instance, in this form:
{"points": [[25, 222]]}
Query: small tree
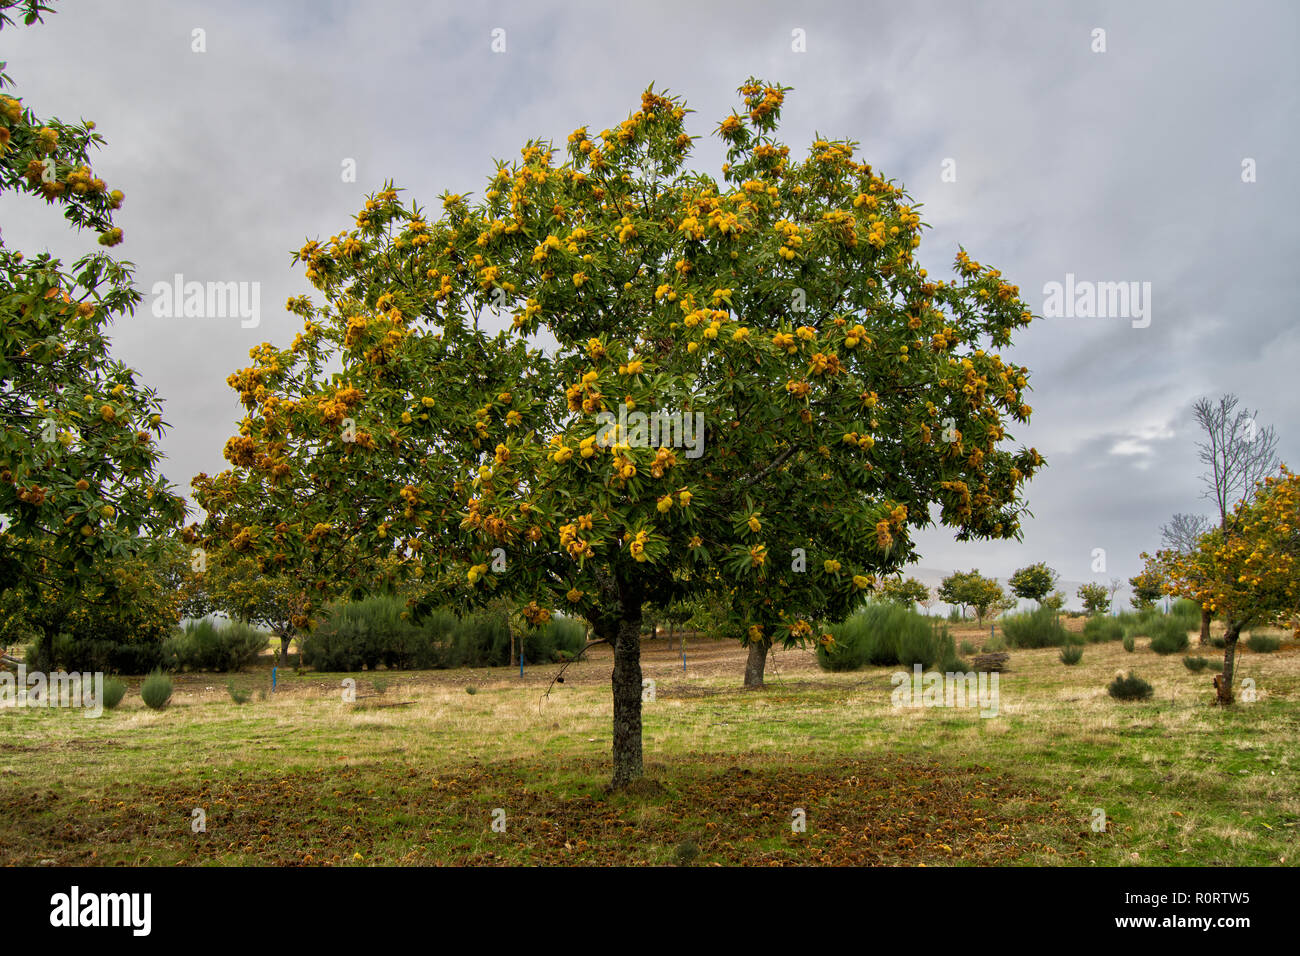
{"points": [[1096, 598], [904, 591], [974, 591], [1054, 601], [1033, 583], [1148, 585], [1247, 572]]}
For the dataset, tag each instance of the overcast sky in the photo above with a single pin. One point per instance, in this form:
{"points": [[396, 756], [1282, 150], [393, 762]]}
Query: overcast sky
{"points": [[1117, 166]]}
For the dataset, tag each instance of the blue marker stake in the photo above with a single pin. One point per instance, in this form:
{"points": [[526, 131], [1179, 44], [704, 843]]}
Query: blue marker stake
{"points": [[273, 680]]}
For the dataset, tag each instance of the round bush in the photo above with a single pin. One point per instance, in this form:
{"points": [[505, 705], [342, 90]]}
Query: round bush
{"points": [[1071, 654], [156, 690], [114, 691], [1196, 664], [1168, 636], [1129, 644], [1130, 687], [1263, 643], [1039, 628]]}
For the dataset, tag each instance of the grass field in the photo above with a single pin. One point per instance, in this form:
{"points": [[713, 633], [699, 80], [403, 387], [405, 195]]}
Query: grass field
{"points": [[414, 774]]}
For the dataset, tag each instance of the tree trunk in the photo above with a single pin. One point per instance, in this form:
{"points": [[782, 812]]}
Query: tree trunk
{"points": [[284, 650], [627, 698], [755, 664], [1223, 683], [1205, 627]]}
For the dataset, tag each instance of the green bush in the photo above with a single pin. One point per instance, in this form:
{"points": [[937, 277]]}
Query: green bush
{"points": [[1168, 636], [1263, 643], [1218, 642], [114, 691], [1131, 687], [1100, 628], [207, 645], [887, 634], [1129, 644], [364, 634], [1187, 613], [557, 640], [88, 652], [967, 647], [1071, 654], [1196, 664], [156, 690], [1037, 628]]}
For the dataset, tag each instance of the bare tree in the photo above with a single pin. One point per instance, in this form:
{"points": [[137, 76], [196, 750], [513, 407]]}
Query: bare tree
{"points": [[1239, 454], [1183, 532], [1236, 450], [1112, 589]]}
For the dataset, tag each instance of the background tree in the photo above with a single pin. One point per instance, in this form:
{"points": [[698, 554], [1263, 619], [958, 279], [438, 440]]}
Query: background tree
{"points": [[1248, 571], [1034, 582], [78, 458], [905, 591], [1096, 598], [115, 621], [970, 589], [1147, 585], [841, 391], [234, 585]]}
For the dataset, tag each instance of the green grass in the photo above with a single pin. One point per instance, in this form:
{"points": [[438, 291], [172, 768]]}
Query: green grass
{"points": [[413, 777]]}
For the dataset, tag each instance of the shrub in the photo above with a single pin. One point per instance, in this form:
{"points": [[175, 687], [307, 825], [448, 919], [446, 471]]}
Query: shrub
{"points": [[88, 652], [1196, 664], [239, 694], [967, 647], [886, 634], [1038, 628], [1168, 636], [1129, 643], [1098, 629], [364, 634], [1129, 687], [557, 640], [1263, 643], [1218, 642], [207, 645], [471, 689], [1071, 654], [114, 691], [156, 690]]}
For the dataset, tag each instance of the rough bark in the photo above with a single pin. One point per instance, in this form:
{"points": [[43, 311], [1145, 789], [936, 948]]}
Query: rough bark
{"points": [[755, 665], [1205, 627], [1223, 683], [284, 650], [627, 698]]}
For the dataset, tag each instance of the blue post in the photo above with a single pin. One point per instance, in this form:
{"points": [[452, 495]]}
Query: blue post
{"points": [[521, 658], [273, 680], [683, 654]]}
